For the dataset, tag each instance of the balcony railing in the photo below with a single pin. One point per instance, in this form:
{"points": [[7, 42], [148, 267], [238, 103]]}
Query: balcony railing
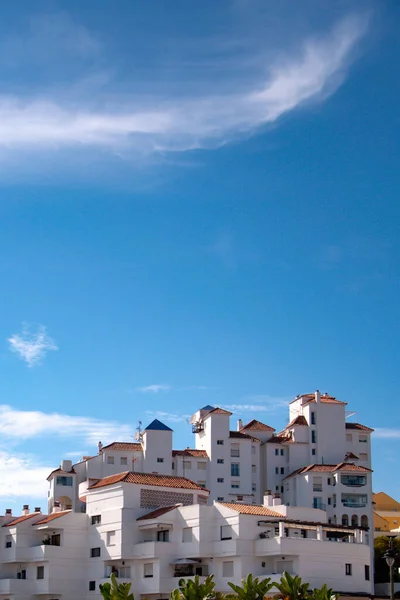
{"points": [[350, 504], [317, 488], [320, 506]]}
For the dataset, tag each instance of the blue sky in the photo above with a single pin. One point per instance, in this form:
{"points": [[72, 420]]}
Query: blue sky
{"points": [[199, 205]]}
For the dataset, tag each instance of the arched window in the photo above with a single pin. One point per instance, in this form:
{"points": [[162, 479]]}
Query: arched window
{"points": [[354, 521], [345, 520], [364, 521]]}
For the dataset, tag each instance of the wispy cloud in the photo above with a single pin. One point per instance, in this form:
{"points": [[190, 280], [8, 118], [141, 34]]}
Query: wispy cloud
{"points": [[259, 403], [387, 433], [154, 389], [166, 416], [21, 475], [23, 424], [32, 346], [157, 124]]}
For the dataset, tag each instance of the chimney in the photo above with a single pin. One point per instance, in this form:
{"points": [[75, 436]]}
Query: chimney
{"points": [[8, 516], [25, 509], [66, 466], [239, 424], [268, 498], [276, 501], [56, 508], [317, 396], [99, 447], [38, 509]]}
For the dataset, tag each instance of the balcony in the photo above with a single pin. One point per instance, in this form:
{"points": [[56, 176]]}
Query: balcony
{"points": [[14, 586], [351, 504], [320, 505], [353, 481], [317, 488], [153, 549]]}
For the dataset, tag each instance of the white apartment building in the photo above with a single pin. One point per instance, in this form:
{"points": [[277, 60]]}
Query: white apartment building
{"points": [[152, 530], [214, 504]]}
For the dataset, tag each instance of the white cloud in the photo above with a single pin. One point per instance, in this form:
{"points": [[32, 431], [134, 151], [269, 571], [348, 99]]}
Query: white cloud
{"points": [[20, 475], [259, 403], [31, 347], [166, 416], [146, 126], [24, 424], [154, 389], [386, 433]]}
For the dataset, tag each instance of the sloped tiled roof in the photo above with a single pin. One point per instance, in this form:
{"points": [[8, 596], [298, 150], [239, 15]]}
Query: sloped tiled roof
{"points": [[123, 447], [300, 420], [325, 398], [148, 479], [21, 519], [359, 426], [156, 425], [190, 452], [59, 471], [343, 466], [219, 411], [352, 455], [279, 439], [251, 509], [242, 436], [154, 514], [255, 425], [52, 517]]}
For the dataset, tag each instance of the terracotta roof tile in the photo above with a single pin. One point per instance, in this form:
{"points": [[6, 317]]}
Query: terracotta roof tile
{"points": [[190, 452], [124, 447], [251, 509], [219, 411], [300, 420], [325, 398], [279, 439], [343, 466], [351, 455], [243, 436], [21, 519], [358, 426], [52, 517], [149, 479], [255, 425], [59, 471], [154, 514]]}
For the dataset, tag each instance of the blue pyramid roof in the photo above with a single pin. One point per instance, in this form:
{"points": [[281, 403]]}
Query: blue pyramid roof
{"points": [[156, 425], [208, 407]]}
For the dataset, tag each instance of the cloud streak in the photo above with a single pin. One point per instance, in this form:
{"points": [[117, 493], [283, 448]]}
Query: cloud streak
{"points": [[386, 433], [32, 347], [158, 125]]}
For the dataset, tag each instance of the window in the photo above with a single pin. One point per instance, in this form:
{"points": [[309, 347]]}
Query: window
{"points": [[110, 538], [253, 449], [187, 534], [313, 452], [110, 460], [329, 501], [125, 572], [226, 532], [363, 439], [220, 498], [95, 552], [366, 572], [277, 488], [363, 456], [64, 481], [148, 570], [312, 418], [201, 484], [303, 533], [282, 452], [329, 481], [92, 586], [220, 480], [220, 461], [253, 487], [235, 450], [220, 442], [163, 535], [276, 470], [313, 436], [282, 489], [21, 574], [123, 460], [317, 503], [239, 498], [282, 470], [253, 469], [235, 470], [227, 568], [96, 519], [40, 573], [348, 569], [173, 466], [160, 460], [187, 464], [276, 451], [317, 484], [235, 486], [349, 437], [202, 466], [8, 543]]}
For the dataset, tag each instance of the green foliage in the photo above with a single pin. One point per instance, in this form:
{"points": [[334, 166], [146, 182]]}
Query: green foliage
{"points": [[115, 590], [251, 589], [292, 587], [192, 589], [381, 544], [324, 593]]}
